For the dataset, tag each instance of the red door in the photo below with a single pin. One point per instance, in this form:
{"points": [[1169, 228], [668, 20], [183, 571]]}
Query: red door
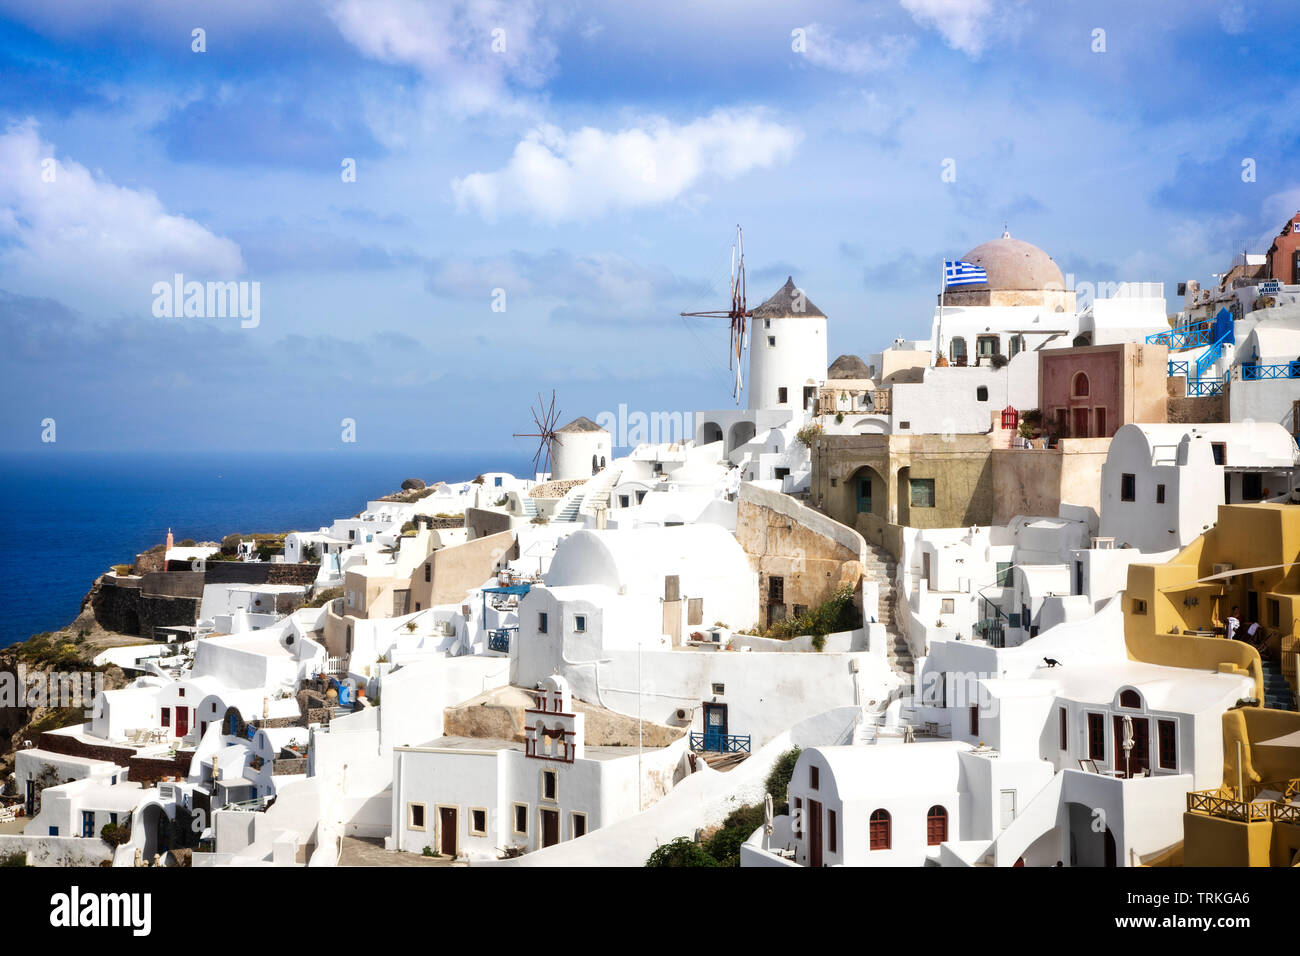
{"points": [[182, 721], [1139, 758], [814, 833]]}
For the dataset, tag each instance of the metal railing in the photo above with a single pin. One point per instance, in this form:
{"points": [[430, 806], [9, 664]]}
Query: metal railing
{"points": [[499, 639], [1189, 336], [1205, 387], [1255, 373], [719, 743]]}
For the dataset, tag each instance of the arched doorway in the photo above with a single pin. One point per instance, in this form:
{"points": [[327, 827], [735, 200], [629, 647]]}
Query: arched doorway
{"points": [[710, 432], [1091, 842], [741, 433], [867, 494], [902, 496]]}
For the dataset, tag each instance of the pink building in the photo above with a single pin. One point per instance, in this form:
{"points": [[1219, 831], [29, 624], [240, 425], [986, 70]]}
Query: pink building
{"points": [[1089, 392]]}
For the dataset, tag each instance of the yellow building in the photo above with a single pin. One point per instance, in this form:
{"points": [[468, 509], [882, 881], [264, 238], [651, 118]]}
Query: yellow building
{"points": [[1174, 614]]}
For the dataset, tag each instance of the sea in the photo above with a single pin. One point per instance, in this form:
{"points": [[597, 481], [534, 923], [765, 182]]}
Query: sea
{"points": [[72, 515]]}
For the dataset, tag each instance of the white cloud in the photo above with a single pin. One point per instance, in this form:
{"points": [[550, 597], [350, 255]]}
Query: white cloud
{"points": [[966, 25], [82, 228], [472, 50], [854, 57], [557, 175]]}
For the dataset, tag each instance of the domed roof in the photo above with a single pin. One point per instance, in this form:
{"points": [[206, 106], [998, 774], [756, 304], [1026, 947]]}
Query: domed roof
{"points": [[1014, 264], [850, 367]]}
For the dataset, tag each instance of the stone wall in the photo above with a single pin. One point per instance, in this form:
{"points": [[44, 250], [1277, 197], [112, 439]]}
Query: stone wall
{"points": [[810, 554], [1036, 481], [259, 572], [129, 610], [1183, 410]]}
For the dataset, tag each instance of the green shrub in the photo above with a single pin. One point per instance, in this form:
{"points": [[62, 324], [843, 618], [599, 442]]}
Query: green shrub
{"points": [[836, 613], [681, 852], [321, 598], [114, 834], [808, 434], [724, 846], [778, 780]]}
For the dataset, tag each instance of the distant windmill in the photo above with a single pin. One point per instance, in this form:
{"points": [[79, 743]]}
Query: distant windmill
{"points": [[738, 312], [544, 418]]}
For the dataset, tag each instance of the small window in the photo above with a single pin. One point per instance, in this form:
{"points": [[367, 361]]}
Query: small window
{"points": [[1065, 729], [549, 785], [1274, 612], [180, 691], [781, 394], [767, 323], [541, 623], [521, 819], [1079, 388], [719, 690], [1128, 487], [879, 828], [415, 816], [947, 606], [578, 825], [478, 822], [166, 716], [1003, 579], [832, 838], [814, 777], [1160, 494], [428, 573], [771, 343], [1139, 606], [1220, 452], [624, 501], [1166, 733], [497, 481], [982, 393], [579, 623], [922, 492], [975, 720], [1130, 698]]}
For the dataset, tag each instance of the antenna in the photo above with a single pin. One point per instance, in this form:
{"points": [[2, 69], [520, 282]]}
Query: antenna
{"points": [[737, 313], [544, 418]]}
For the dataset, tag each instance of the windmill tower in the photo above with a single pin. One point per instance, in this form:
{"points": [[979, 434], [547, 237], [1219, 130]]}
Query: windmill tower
{"points": [[544, 418]]}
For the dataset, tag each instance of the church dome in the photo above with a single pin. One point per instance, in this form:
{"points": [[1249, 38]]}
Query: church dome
{"points": [[1015, 265]]}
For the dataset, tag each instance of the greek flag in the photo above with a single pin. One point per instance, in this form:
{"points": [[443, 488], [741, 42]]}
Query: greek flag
{"points": [[962, 273]]}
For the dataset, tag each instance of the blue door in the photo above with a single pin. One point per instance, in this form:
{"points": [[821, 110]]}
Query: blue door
{"points": [[87, 823], [715, 727], [864, 496]]}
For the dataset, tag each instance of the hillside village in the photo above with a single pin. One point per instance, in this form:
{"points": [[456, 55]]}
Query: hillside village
{"points": [[1023, 593]]}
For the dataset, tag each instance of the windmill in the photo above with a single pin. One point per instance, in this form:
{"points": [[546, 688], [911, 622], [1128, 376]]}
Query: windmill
{"points": [[738, 311], [544, 417]]}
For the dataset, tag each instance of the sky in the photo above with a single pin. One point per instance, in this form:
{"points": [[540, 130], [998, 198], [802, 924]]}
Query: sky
{"points": [[441, 210]]}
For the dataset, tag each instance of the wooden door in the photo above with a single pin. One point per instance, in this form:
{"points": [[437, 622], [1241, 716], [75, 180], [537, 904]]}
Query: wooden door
{"points": [[550, 827], [814, 833], [1139, 759], [1080, 423], [182, 721], [448, 830], [673, 621]]}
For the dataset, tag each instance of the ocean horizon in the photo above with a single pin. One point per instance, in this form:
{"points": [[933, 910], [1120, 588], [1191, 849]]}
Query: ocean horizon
{"points": [[82, 512]]}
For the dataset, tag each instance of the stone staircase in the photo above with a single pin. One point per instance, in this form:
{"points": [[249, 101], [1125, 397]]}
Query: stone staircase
{"points": [[881, 567], [1277, 692], [599, 490], [570, 510]]}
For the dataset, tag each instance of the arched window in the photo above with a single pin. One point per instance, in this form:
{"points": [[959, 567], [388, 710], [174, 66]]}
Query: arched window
{"points": [[594, 467], [1130, 698], [602, 461], [879, 829], [936, 826], [1080, 387]]}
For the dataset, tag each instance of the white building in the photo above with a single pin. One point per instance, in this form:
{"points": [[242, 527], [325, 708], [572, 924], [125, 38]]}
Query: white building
{"points": [[580, 450], [1161, 485]]}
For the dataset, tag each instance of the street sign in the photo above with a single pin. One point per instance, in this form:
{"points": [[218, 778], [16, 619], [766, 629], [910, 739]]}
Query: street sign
{"points": [[1269, 287]]}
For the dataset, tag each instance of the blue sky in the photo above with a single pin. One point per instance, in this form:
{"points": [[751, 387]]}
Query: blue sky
{"points": [[593, 166]]}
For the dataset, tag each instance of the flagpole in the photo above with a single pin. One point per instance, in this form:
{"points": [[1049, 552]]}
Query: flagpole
{"points": [[938, 338]]}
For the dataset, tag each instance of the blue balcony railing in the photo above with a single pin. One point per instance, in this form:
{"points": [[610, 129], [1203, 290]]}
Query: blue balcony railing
{"points": [[1255, 373], [499, 639], [708, 742], [1204, 387], [1184, 337]]}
